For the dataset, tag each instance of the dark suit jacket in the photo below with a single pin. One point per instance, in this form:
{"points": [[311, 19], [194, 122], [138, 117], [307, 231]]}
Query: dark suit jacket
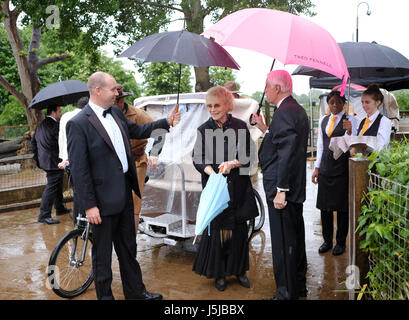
{"points": [[283, 152], [97, 171], [44, 144], [242, 204]]}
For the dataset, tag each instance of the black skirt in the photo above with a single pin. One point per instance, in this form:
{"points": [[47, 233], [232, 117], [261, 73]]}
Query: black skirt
{"points": [[333, 193], [223, 253]]}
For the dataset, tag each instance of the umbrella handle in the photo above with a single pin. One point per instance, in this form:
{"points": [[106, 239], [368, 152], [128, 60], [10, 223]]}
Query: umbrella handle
{"points": [[264, 92], [251, 116], [177, 110]]}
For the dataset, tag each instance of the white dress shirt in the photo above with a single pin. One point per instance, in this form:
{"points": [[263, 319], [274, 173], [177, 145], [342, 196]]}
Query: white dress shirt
{"points": [[384, 132], [320, 140], [62, 134], [114, 134]]}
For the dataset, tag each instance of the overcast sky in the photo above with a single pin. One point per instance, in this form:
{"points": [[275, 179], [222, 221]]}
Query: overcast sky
{"points": [[388, 24]]}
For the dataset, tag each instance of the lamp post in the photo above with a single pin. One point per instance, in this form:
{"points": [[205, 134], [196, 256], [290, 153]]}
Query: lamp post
{"points": [[368, 12]]}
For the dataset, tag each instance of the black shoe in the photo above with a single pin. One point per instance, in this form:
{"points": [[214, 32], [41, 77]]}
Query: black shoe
{"points": [[338, 250], [145, 295], [220, 284], [244, 281], [325, 247], [48, 221], [64, 211]]}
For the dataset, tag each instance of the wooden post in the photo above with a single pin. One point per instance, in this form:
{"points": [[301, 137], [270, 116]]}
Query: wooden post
{"points": [[358, 186]]}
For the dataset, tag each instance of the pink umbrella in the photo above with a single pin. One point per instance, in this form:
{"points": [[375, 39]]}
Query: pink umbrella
{"points": [[353, 86], [284, 36]]}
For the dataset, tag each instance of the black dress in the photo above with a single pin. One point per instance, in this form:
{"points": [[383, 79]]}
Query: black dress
{"points": [[225, 251]]}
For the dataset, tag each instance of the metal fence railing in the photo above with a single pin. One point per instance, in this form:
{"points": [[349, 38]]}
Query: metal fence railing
{"points": [[389, 263], [12, 132], [20, 181]]}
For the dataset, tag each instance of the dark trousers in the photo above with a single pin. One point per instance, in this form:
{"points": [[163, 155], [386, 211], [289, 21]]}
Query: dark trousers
{"points": [[119, 230], [52, 194], [327, 221], [288, 248]]}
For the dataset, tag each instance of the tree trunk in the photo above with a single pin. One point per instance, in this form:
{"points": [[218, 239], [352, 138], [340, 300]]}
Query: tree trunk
{"points": [[34, 117], [202, 79], [194, 16]]}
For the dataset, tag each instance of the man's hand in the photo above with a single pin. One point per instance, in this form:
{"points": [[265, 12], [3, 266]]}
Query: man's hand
{"points": [[314, 177], [174, 116], [63, 164], [153, 162], [258, 122], [93, 215], [279, 200]]}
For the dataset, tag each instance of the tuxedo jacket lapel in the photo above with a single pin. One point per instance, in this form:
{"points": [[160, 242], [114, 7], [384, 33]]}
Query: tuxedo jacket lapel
{"points": [[92, 117]]}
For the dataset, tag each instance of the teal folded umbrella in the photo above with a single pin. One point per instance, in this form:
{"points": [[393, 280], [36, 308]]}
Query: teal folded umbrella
{"points": [[213, 200]]}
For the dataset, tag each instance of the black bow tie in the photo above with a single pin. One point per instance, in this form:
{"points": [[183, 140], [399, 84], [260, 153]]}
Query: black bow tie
{"points": [[109, 110]]}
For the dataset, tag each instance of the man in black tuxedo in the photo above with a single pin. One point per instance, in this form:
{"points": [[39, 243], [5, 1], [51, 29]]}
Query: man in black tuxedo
{"points": [[104, 174], [282, 157], [44, 145]]}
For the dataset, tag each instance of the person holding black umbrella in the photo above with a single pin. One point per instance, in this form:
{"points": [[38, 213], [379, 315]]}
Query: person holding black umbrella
{"points": [[142, 161], [332, 175], [283, 157], [45, 148], [104, 176]]}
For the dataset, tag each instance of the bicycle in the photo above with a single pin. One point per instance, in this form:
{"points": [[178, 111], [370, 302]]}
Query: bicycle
{"points": [[69, 269]]}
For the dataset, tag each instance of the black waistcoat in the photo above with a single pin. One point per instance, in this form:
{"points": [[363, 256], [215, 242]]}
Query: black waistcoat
{"points": [[373, 129], [329, 166]]}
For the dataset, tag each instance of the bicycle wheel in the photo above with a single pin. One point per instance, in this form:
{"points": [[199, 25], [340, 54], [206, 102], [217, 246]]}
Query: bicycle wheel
{"points": [[250, 228], [259, 221], [68, 276]]}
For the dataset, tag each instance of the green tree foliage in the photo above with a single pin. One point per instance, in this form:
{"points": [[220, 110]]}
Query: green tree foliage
{"points": [[162, 78], [402, 98], [383, 223], [219, 75], [80, 66], [13, 113], [137, 15]]}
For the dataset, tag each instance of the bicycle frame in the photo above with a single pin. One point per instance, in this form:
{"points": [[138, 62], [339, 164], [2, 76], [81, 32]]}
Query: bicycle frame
{"points": [[84, 237]]}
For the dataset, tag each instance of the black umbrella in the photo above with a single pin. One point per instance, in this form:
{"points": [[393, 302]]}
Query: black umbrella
{"points": [[59, 93], [389, 83], [181, 47], [367, 63]]}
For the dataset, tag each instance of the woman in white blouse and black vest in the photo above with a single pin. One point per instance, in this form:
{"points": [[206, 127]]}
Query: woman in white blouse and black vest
{"points": [[375, 124], [332, 175]]}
